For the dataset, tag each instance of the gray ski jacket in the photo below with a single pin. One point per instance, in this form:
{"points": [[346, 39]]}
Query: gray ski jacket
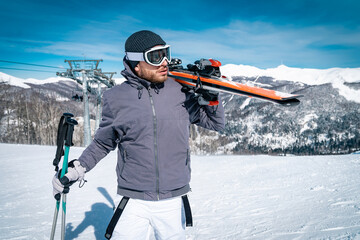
{"points": [[149, 123]]}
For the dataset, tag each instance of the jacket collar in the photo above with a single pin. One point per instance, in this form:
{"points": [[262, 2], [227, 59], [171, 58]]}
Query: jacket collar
{"points": [[137, 82], [131, 77]]}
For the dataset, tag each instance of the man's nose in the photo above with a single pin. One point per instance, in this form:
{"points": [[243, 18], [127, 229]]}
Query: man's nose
{"points": [[164, 63]]}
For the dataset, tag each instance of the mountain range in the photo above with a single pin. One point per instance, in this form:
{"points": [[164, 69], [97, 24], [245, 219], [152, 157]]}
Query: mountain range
{"points": [[327, 121]]}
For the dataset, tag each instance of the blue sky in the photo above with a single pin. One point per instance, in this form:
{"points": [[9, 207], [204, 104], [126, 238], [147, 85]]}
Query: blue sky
{"points": [[261, 33]]}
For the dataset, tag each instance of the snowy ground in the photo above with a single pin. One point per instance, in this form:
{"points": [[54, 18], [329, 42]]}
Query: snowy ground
{"points": [[233, 197]]}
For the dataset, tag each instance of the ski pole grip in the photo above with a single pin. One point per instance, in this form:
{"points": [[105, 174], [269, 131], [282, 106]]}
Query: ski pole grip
{"points": [[70, 130], [68, 115]]}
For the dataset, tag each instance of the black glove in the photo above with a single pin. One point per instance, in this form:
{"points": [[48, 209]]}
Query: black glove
{"points": [[207, 97]]}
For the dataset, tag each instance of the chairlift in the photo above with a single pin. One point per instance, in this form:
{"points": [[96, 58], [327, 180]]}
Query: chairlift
{"points": [[77, 97], [77, 94]]}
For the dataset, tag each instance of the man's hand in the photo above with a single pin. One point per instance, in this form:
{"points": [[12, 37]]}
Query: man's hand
{"points": [[207, 97], [75, 173]]}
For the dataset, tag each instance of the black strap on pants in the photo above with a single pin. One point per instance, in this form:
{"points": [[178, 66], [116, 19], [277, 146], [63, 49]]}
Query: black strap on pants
{"points": [[188, 215], [115, 217], [120, 208]]}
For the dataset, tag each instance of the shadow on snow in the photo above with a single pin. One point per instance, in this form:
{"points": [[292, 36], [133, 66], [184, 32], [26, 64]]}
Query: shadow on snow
{"points": [[98, 217]]}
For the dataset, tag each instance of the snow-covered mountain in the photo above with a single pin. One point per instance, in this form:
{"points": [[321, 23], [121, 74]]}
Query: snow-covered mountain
{"points": [[340, 78], [26, 83], [301, 75], [304, 75], [326, 121]]}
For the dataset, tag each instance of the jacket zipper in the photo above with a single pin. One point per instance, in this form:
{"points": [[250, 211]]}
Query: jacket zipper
{"points": [[155, 145]]}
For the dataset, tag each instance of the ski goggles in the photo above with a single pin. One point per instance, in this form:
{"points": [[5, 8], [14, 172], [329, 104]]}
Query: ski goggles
{"points": [[154, 56]]}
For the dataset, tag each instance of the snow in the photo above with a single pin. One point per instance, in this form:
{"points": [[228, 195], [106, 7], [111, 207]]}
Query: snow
{"points": [[335, 76], [118, 81], [19, 82], [308, 122], [304, 75], [48, 80], [233, 197], [245, 103], [14, 81]]}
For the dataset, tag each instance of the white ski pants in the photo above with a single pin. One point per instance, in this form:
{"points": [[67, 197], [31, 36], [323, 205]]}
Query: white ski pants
{"points": [[140, 219]]}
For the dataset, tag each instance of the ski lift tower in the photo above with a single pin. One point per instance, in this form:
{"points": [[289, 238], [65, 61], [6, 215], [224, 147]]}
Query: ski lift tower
{"points": [[82, 71], [87, 74]]}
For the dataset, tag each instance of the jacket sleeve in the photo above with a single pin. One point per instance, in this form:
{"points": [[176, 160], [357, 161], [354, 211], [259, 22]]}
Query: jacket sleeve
{"points": [[209, 117], [104, 140]]}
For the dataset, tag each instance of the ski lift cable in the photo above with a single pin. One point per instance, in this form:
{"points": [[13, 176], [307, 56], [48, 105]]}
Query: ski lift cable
{"points": [[21, 69], [31, 64]]}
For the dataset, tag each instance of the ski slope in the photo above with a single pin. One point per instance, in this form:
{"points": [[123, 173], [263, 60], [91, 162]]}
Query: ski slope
{"points": [[233, 197]]}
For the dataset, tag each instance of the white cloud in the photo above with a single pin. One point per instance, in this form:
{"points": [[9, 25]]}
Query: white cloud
{"points": [[266, 45], [77, 49], [258, 43]]}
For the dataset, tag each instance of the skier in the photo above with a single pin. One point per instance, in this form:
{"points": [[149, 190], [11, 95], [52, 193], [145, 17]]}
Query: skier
{"points": [[148, 118]]}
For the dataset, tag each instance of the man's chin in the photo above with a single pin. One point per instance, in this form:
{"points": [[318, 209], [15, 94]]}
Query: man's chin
{"points": [[160, 79]]}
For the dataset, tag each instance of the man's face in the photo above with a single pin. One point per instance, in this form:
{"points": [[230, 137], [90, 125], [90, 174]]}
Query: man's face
{"points": [[152, 73]]}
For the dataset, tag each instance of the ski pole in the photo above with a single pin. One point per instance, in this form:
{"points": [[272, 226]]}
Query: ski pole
{"points": [[68, 141], [65, 132], [56, 213], [59, 153]]}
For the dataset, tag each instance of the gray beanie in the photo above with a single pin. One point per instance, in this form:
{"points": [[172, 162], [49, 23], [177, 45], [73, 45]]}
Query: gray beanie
{"points": [[140, 42]]}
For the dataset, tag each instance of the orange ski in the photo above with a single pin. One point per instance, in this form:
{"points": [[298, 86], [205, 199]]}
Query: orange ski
{"points": [[212, 80]]}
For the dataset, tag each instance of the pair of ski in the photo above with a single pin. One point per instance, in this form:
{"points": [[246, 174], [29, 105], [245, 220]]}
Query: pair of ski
{"points": [[205, 74], [64, 142]]}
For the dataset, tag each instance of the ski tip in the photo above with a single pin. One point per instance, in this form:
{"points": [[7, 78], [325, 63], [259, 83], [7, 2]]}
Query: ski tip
{"points": [[289, 102]]}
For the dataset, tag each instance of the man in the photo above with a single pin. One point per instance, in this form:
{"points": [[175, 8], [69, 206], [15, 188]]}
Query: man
{"points": [[148, 119]]}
